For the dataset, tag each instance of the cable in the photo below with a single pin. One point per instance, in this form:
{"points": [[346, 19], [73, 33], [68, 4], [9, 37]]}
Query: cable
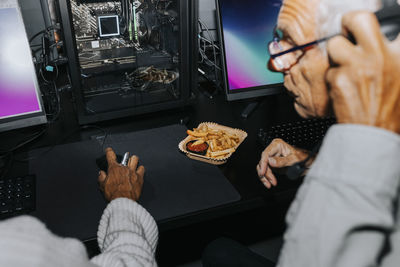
{"points": [[8, 154], [208, 41], [52, 96], [41, 32], [32, 138], [41, 74], [99, 128], [56, 114], [36, 35], [208, 61], [202, 24]]}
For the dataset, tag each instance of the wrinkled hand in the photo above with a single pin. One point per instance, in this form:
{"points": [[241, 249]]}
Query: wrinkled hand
{"points": [[121, 181], [364, 81], [278, 154]]}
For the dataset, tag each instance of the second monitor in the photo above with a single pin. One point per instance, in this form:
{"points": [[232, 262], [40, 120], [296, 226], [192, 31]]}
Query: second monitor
{"points": [[20, 97], [245, 28]]}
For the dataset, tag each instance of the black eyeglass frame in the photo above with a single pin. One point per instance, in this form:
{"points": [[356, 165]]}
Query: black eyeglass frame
{"points": [[277, 38]]}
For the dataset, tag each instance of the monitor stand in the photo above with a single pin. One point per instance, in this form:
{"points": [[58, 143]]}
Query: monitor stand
{"points": [[249, 109]]}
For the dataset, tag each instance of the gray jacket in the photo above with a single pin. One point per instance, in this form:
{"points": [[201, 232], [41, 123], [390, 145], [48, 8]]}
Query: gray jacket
{"points": [[346, 212]]}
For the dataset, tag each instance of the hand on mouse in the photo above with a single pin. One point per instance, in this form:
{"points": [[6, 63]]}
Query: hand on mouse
{"points": [[121, 181], [278, 154], [364, 82]]}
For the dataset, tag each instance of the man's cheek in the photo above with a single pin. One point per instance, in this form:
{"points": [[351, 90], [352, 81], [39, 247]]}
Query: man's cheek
{"points": [[288, 83]]}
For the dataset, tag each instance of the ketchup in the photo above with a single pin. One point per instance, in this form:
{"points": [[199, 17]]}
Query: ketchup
{"points": [[197, 148]]}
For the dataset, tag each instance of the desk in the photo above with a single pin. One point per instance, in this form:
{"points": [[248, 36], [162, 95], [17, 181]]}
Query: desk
{"points": [[239, 170]]}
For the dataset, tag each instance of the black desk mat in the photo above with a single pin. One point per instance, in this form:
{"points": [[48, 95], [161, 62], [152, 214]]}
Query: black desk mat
{"points": [[70, 203]]}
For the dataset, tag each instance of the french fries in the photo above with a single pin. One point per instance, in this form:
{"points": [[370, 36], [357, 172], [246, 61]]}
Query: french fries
{"points": [[221, 143], [196, 134], [198, 142], [222, 152]]}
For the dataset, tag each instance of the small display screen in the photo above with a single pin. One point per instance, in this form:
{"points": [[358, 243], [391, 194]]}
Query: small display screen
{"points": [[108, 25], [247, 27], [18, 82]]}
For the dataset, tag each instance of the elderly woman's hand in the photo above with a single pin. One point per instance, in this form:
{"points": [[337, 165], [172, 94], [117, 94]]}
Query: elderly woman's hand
{"points": [[121, 181]]}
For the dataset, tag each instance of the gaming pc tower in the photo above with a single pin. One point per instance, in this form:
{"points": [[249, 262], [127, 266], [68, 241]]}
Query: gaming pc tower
{"points": [[130, 57]]}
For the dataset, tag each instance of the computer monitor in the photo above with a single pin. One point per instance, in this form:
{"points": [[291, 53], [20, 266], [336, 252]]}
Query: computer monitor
{"points": [[245, 28], [20, 100]]}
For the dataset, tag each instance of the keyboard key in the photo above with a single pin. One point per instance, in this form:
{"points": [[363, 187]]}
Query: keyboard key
{"points": [[4, 210], [304, 133], [18, 208], [17, 196]]}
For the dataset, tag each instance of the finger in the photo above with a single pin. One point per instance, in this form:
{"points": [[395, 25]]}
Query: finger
{"points": [[340, 50], [342, 94], [337, 81], [280, 162], [271, 177], [339, 84], [111, 157], [364, 26], [138, 192], [266, 183], [140, 171], [330, 76], [262, 166], [133, 162], [102, 178], [260, 172], [139, 181], [274, 148]]}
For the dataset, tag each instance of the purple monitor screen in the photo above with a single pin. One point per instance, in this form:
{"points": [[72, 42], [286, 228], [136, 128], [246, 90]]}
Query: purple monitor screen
{"points": [[18, 84], [246, 28]]}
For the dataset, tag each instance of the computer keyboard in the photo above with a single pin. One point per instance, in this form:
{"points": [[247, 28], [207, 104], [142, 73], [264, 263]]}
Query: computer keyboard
{"points": [[17, 196], [303, 133]]}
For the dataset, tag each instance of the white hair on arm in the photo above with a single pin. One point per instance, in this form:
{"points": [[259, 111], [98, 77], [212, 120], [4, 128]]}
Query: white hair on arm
{"points": [[331, 11]]}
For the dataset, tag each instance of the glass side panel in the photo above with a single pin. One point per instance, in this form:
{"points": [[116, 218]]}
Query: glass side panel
{"points": [[128, 52]]}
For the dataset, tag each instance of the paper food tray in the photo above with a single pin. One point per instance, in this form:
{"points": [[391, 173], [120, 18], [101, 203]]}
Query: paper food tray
{"points": [[211, 125]]}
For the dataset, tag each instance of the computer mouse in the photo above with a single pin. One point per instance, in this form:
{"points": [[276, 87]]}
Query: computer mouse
{"points": [[102, 163]]}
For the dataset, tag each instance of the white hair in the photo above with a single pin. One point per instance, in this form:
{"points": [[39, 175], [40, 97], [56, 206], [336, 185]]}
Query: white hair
{"points": [[330, 14]]}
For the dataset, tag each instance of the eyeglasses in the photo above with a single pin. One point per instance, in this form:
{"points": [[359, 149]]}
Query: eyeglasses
{"points": [[276, 50]]}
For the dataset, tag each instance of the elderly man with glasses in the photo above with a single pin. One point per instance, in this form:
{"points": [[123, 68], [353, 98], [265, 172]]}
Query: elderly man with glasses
{"points": [[346, 213], [298, 51]]}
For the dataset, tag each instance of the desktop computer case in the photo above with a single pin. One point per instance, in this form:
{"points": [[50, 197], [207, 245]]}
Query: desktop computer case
{"points": [[147, 61]]}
